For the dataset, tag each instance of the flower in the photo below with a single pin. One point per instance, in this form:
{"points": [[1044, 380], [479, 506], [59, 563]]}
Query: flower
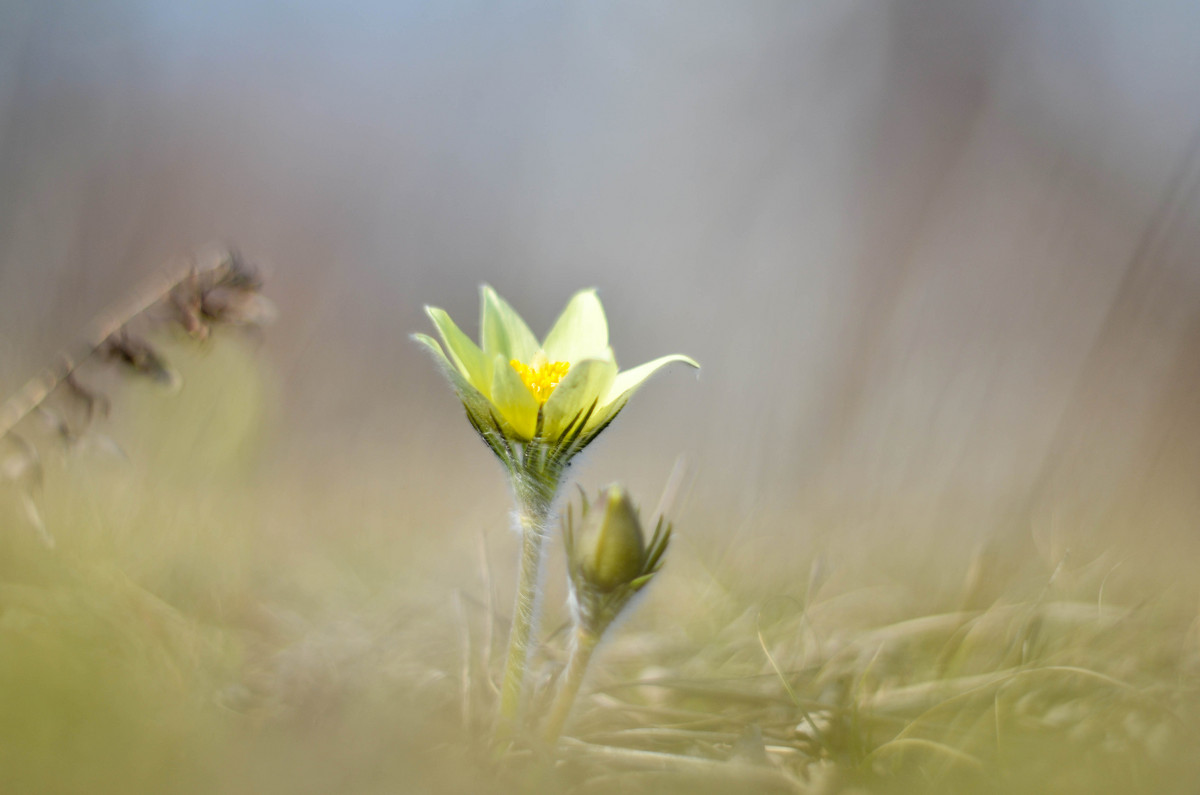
{"points": [[563, 390], [610, 550], [608, 557], [608, 563]]}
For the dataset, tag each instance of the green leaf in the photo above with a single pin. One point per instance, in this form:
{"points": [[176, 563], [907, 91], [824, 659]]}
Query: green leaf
{"points": [[581, 331], [503, 332], [465, 354], [586, 382], [626, 383], [516, 404]]}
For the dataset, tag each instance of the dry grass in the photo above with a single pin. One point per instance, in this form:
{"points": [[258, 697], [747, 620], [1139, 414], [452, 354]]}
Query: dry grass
{"points": [[204, 626]]}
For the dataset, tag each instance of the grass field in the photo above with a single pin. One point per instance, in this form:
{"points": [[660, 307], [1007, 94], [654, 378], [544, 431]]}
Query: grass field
{"points": [[209, 623]]}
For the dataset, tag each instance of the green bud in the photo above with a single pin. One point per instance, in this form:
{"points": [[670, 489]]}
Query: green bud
{"points": [[611, 550], [608, 559]]}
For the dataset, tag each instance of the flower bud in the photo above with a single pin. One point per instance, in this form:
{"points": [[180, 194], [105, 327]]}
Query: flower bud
{"points": [[611, 550]]}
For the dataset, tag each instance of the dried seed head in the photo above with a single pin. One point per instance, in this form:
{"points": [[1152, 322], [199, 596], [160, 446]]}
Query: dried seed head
{"points": [[227, 292], [237, 306], [138, 355]]}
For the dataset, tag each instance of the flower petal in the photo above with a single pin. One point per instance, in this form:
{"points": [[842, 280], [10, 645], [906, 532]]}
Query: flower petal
{"points": [[474, 400], [581, 331], [516, 404], [502, 331], [465, 354], [626, 383], [587, 382]]}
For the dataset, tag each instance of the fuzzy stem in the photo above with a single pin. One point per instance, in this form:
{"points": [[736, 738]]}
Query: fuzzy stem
{"points": [[582, 646], [532, 516]]}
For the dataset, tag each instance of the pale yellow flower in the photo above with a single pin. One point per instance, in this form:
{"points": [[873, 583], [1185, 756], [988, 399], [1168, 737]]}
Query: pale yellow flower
{"points": [[565, 388]]}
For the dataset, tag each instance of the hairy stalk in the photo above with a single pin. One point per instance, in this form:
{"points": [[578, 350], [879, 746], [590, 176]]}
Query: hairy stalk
{"points": [[583, 643], [535, 499]]}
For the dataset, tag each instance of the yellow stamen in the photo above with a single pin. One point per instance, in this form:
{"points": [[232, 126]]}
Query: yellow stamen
{"points": [[542, 377]]}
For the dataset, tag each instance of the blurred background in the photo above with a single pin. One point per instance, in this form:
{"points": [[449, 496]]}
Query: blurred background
{"points": [[938, 259], [937, 252]]}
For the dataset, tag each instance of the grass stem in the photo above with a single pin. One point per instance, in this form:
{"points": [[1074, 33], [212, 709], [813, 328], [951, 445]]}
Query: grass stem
{"points": [[582, 646]]}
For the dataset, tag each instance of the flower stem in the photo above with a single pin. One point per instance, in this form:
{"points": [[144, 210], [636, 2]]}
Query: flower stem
{"points": [[582, 646], [532, 516]]}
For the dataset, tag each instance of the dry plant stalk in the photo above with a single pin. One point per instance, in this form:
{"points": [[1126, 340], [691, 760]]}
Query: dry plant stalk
{"points": [[226, 290], [196, 296]]}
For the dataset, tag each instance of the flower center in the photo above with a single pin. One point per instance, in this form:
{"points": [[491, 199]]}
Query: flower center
{"points": [[542, 376]]}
